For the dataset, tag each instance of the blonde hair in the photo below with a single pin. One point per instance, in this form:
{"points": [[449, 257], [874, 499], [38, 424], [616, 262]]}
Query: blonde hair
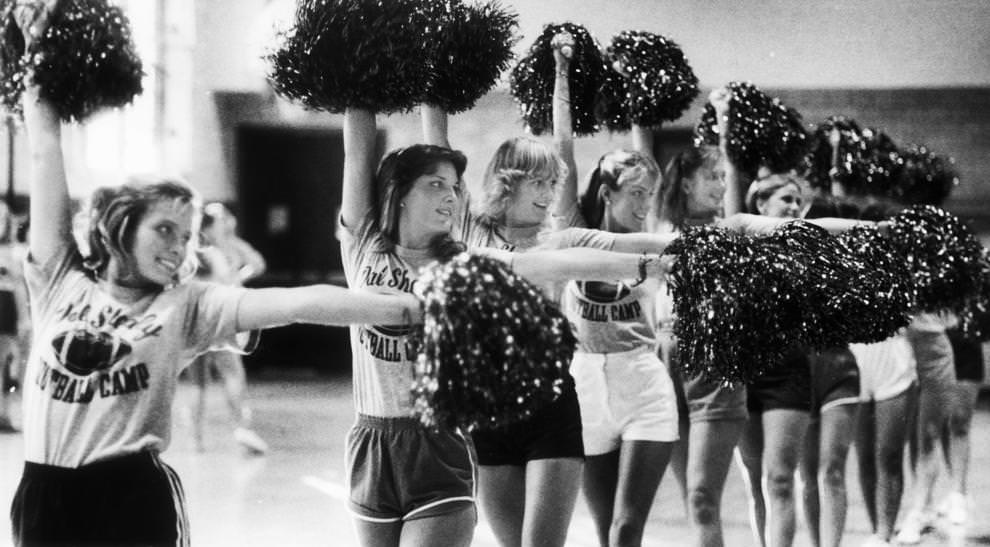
{"points": [[766, 186], [516, 161]]}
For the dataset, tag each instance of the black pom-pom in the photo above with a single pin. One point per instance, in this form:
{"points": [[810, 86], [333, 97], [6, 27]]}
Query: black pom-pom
{"points": [[943, 255], [762, 131], [473, 48], [85, 60], [532, 80], [867, 163], [658, 86], [369, 54], [494, 349], [923, 177]]}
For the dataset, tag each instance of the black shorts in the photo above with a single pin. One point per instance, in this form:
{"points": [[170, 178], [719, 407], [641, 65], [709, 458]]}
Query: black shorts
{"points": [[834, 379], [130, 500], [787, 386], [552, 432], [968, 356]]}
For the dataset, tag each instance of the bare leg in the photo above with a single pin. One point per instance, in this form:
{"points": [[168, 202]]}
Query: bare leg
{"points": [[502, 494], [809, 480], [378, 534], [783, 432], [836, 436], [552, 488], [453, 529], [679, 456], [641, 467], [960, 420], [601, 479], [891, 433], [750, 460], [866, 457], [709, 457]]}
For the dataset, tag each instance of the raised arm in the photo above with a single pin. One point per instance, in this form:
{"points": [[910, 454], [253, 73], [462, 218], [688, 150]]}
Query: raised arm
{"points": [[563, 132], [323, 305], [835, 183], [434, 121], [357, 194], [253, 264], [734, 200], [51, 224]]}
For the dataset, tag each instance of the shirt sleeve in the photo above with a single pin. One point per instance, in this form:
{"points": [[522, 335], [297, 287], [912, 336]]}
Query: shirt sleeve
{"points": [[211, 319], [43, 280]]}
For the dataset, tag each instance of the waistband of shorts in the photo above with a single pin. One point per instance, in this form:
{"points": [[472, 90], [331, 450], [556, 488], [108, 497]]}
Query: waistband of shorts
{"points": [[388, 423], [115, 465], [622, 354]]}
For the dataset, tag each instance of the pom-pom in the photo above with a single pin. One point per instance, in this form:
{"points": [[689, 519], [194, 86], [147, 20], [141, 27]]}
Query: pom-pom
{"points": [[532, 80], [867, 158], [84, 61], [473, 48], [368, 54], [762, 131], [658, 84], [943, 255], [923, 177], [494, 349]]}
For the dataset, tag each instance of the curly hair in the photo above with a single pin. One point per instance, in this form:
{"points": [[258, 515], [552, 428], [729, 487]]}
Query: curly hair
{"points": [[515, 161], [114, 214]]}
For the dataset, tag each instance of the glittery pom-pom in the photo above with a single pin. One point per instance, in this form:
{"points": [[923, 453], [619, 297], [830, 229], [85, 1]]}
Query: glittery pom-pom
{"points": [[84, 62], [532, 80], [473, 47], [762, 131], [867, 163], [923, 177], [494, 348], [658, 85], [369, 54]]}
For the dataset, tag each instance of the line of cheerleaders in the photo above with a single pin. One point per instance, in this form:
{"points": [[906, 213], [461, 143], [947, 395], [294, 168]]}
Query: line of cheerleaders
{"points": [[606, 410]]}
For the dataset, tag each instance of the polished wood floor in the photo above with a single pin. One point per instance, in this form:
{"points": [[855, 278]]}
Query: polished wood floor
{"points": [[295, 495]]}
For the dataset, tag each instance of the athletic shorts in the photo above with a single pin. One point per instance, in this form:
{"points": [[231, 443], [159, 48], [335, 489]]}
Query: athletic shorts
{"points": [[936, 365], [552, 432], [886, 368], [967, 354], [786, 386], [129, 500], [702, 400], [834, 379], [624, 396], [399, 470]]}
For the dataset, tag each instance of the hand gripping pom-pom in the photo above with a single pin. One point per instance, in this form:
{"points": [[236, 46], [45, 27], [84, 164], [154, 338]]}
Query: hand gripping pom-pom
{"points": [[84, 61], [532, 80], [494, 348], [656, 84], [473, 46], [368, 54], [762, 131]]}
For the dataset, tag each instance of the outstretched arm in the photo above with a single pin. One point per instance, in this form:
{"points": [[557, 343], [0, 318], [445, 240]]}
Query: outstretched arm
{"points": [[586, 264], [734, 200], [563, 132], [759, 224], [323, 305], [51, 225], [357, 194]]}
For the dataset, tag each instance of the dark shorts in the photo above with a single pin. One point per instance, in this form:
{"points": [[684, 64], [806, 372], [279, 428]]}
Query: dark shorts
{"points": [[968, 356], [8, 313], [131, 500], [552, 432], [702, 400], [834, 379], [787, 386], [398, 470]]}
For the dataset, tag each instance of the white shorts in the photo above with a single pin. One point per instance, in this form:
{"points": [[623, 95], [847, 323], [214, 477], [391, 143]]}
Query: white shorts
{"points": [[624, 397], [886, 369]]}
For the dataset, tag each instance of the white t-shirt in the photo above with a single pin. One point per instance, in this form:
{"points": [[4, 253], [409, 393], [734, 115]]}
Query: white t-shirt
{"points": [[102, 374]]}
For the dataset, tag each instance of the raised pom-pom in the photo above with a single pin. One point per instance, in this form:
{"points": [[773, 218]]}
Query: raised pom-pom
{"points": [[866, 162], [532, 80], [84, 61], [762, 131], [923, 177], [658, 83], [494, 348], [368, 54], [473, 48]]}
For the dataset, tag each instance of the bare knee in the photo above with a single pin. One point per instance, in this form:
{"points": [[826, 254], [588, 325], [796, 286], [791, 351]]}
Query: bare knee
{"points": [[833, 475], [626, 530], [959, 425], [780, 485], [703, 507], [889, 462]]}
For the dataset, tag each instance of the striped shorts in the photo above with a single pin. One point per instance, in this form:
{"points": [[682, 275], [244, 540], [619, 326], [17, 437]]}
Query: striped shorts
{"points": [[129, 500]]}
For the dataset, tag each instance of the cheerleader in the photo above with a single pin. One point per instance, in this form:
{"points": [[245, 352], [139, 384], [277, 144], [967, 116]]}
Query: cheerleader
{"points": [[112, 331], [15, 325]]}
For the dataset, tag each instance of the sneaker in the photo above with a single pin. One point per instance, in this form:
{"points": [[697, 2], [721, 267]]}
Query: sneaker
{"points": [[954, 508], [250, 440], [914, 525]]}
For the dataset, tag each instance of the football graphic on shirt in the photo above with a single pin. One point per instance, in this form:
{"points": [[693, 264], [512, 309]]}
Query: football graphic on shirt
{"points": [[602, 292], [84, 352]]}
